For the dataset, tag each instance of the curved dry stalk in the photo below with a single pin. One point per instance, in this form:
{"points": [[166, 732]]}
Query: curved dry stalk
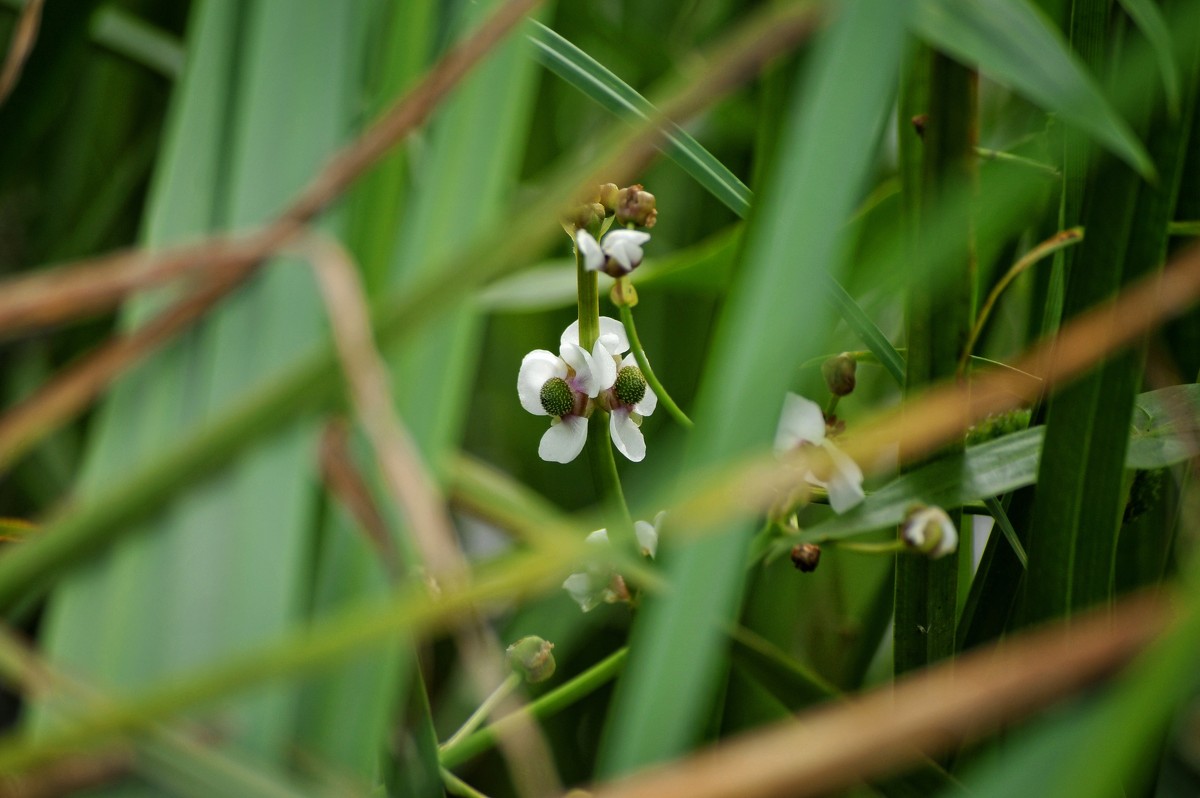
{"points": [[417, 495], [23, 39], [93, 285], [932, 711]]}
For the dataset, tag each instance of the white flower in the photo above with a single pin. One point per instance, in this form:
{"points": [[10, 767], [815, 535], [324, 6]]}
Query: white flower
{"points": [[801, 423], [561, 385], [625, 416], [930, 531], [600, 584], [617, 254]]}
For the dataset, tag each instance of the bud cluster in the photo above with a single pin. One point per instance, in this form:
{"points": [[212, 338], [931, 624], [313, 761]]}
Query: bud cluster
{"points": [[631, 206]]}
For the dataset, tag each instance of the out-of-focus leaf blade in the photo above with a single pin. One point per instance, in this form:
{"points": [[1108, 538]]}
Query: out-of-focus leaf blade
{"points": [[1149, 19], [1015, 44], [799, 235]]}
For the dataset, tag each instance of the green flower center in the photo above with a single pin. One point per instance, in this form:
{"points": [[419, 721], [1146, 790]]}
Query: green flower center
{"points": [[630, 386], [557, 397]]}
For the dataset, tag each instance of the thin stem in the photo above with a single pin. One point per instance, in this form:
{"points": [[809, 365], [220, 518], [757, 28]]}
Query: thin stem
{"points": [[639, 354], [480, 715], [1019, 160], [545, 706], [604, 465], [883, 547], [456, 786], [1048, 247], [589, 303], [831, 407]]}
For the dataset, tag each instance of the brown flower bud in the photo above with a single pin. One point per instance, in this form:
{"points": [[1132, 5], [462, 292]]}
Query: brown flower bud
{"points": [[839, 373], [636, 206], [918, 122], [806, 556]]}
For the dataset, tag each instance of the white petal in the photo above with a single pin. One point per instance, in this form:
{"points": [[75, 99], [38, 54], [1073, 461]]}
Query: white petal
{"points": [[593, 255], [647, 535], [626, 436], [612, 332], [570, 335], [801, 421], [563, 442], [597, 538], [604, 367], [625, 247], [585, 379], [845, 484], [581, 588], [650, 399], [536, 368], [949, 541]]}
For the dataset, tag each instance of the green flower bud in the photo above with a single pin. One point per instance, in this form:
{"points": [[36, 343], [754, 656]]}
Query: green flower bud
{"points": [[532, 658], [630, 386], [839, 374], [557, 397], [607, 197], [635, 206]]}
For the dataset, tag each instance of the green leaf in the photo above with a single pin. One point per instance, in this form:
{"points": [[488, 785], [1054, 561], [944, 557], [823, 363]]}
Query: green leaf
{"points": [[1149, 19], [835, 118], [597, 82], [1015, 44]]}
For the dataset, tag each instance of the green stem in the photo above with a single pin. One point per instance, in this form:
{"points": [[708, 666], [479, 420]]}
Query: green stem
{"points": [[882, 547], [639, 354], [480, 715], [604, 466], [588, 290], [1019, 160], [1184, 228], [545, 706], [456, 786], [831, 407]]}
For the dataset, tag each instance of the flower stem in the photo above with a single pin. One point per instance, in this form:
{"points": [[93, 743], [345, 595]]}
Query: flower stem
{"points": [[883, 547], [544, 706], [604, 467], [456, 786], [831, 407], [589, 303], [640, 355], [480, 715]]}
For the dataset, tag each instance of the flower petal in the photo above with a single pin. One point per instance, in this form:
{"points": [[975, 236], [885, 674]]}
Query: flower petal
{"points": [[563, 442], [647, 534], [612, 333], [597, 538], [593, 255], [801, 421], [626, 435], [583, 590], [625, 247], [604, 367], [845, 484], [585, 378], [536, 368], [650, 399]]}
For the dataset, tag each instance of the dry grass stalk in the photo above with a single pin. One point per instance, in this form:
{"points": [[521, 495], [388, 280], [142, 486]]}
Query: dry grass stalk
{"points": [[23, 39]]}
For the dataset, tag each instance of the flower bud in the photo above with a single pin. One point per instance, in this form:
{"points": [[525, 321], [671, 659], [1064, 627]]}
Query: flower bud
{"points": [[919, 122], [635, 206], [532, 658], [930, 531], [587, 216], [806, 557], [630, 386], [839, 374], [607, 197]]}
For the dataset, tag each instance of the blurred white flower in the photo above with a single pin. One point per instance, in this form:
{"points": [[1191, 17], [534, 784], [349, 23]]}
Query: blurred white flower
{"points": [[930, 531], [802, 423], [617, 254], [598, 584]]}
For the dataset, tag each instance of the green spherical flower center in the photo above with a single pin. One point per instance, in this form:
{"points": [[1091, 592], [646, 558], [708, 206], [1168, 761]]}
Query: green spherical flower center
{"points": [[630, 386], [557, 397]]}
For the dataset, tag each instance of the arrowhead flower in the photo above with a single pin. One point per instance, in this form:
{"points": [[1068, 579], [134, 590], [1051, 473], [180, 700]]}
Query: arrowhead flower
{"points": [[563, 386], [803, 424], [930, 531], [617, 254], [599, 584]]}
